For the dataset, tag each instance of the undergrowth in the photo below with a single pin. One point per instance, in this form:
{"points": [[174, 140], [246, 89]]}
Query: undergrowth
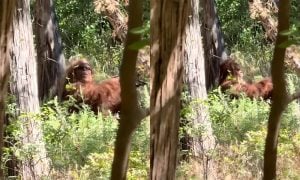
{"points": [[80, 145], [240, 127]]}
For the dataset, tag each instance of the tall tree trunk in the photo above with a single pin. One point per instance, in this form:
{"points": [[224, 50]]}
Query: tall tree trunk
{"points": [[279, 95], [131, 114], [168, 21], [24, 87], [50, 57], [194, 65], [214, 44], [7, 7]]}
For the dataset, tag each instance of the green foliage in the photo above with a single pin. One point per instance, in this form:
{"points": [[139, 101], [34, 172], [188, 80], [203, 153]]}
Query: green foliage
{"points": [[237, 116], [236, 23], [80, 145], [97, 166], [240, 129], [240, 125], [294, 35], [88, 33], [295, 6], [245, 159], [256, 63], [147, 9], [71, 138], [145, 32], [245, 37]]}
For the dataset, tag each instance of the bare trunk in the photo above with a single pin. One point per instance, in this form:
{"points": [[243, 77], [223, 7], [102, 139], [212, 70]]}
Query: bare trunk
{"points": [[50, 57], [24, 87], [168, 21], [131, 114], [7, 7], [214, 45], [279, 95], [202, 144]]}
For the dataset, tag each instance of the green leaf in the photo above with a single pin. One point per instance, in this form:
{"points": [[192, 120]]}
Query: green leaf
{"points": [[141, 30], [287, 43], [286, 32], [139, 44]]}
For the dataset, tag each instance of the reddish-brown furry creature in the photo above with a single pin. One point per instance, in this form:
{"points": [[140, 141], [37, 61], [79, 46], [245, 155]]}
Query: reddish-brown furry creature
{"points": [[231, 79], [102, 96], [230, 70]]}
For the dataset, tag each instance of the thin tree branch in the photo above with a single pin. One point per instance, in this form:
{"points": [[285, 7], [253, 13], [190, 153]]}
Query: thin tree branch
{"points": [[279, 94], [131, 114]]}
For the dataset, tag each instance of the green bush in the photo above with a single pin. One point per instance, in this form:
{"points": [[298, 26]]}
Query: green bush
{"points": [[239, 125], [88, 33], [70, 138], [80, 145], [236, 23], [233, 118], [240, 129], [245, 38]]}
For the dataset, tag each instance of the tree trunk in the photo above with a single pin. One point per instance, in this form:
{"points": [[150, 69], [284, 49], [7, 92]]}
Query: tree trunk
{"points": [[214, 45], [279, 95], [50, 57], [131, 114], [168, 23], [194, 59], [7, 7], [24, 88]]}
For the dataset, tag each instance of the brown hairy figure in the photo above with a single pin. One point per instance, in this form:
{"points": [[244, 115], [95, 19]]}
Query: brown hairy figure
{"points": [[230, 70], [104, 96], [231, 80]]}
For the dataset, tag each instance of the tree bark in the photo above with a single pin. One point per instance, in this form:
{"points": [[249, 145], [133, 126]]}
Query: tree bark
{"points": [[50, 57], [279, 96], [168, 21], [131, 115], [214, 44], [194, 65], [7, 7], [24, 88]]}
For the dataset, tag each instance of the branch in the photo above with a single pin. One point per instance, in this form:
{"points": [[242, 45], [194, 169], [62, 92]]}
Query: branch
{"points": [[279, 94]]}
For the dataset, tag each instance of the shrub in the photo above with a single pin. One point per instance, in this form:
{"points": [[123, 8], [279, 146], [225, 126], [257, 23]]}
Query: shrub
{"points": [[240, 128], [233, 118], [80, 145]]}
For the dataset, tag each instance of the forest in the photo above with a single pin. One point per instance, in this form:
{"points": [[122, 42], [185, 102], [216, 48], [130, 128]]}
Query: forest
{"points": [[155, 89]]}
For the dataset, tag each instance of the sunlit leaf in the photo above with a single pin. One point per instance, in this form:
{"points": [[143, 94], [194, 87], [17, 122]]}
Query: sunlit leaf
{"points": [[139, 44], [287, 43]]}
